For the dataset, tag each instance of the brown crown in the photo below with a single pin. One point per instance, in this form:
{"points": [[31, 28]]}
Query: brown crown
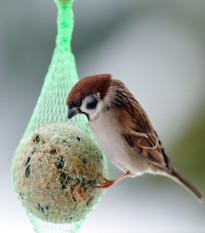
{"points": [[99, 83]]}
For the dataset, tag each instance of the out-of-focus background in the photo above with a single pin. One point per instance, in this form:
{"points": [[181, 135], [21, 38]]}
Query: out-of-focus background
{"points": [[157, 48]]}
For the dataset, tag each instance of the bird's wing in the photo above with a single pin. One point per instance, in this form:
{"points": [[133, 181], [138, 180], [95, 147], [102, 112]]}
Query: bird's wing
{"points": [[147, 146], [138, 133]]}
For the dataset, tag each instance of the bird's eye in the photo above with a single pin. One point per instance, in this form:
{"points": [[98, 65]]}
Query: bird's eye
{"points": [[77, 102]]}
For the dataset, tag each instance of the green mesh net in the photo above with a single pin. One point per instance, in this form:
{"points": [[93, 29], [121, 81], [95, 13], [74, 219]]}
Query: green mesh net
{"points": [[57, 162]]}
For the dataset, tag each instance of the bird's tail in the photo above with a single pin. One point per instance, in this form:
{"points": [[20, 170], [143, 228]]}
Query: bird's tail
{"points": [[174, 174]]}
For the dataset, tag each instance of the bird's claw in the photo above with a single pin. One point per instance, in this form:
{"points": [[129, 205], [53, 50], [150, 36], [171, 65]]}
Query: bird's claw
{"points": [[107, 184]]}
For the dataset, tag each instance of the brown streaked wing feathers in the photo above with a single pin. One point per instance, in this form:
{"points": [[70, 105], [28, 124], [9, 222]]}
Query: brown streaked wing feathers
{"points": [[148, 150], [137, 130]]}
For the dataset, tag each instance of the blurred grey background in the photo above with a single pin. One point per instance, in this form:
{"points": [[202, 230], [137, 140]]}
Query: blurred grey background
{"points": [[157, 48]]}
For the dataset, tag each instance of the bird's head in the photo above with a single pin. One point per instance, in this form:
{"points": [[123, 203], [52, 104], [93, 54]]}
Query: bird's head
{"points": [[87, 95]]}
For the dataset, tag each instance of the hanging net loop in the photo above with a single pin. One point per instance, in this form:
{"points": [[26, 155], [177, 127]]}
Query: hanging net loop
{"points": [[64, 23]]}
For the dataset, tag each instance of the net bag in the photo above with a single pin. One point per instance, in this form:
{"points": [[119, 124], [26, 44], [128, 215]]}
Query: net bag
{"points": [[57, 163]]}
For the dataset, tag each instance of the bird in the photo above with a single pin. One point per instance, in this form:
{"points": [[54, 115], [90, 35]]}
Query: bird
{"points": [[122, 129]]}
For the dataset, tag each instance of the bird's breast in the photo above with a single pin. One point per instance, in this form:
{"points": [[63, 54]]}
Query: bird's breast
{"points": [[109, 139]]}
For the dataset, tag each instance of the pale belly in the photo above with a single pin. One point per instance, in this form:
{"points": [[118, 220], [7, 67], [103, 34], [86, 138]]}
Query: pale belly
{"points": [[114, 148]]}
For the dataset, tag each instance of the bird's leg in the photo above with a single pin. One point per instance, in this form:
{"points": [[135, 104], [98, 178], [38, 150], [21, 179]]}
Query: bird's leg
{"points": [[109, 183]]}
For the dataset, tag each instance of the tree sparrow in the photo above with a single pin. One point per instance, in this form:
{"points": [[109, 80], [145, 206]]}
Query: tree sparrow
{"points": [[122, 129]]}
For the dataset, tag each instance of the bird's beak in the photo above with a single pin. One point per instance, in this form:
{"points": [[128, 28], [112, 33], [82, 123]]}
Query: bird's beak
{"points": [[72, 112]]}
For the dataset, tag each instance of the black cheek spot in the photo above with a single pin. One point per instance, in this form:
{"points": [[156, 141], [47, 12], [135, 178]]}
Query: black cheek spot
{"points": [[92, 104], [27, 172], [47, 207]]}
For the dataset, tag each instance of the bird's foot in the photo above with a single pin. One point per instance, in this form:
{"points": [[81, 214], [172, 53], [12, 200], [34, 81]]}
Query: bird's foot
{"points": [[109, 183], [106, 184]]}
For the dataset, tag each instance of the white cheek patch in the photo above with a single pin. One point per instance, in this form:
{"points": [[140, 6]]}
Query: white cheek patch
{"points": [[93, 113], [85, 101]]}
